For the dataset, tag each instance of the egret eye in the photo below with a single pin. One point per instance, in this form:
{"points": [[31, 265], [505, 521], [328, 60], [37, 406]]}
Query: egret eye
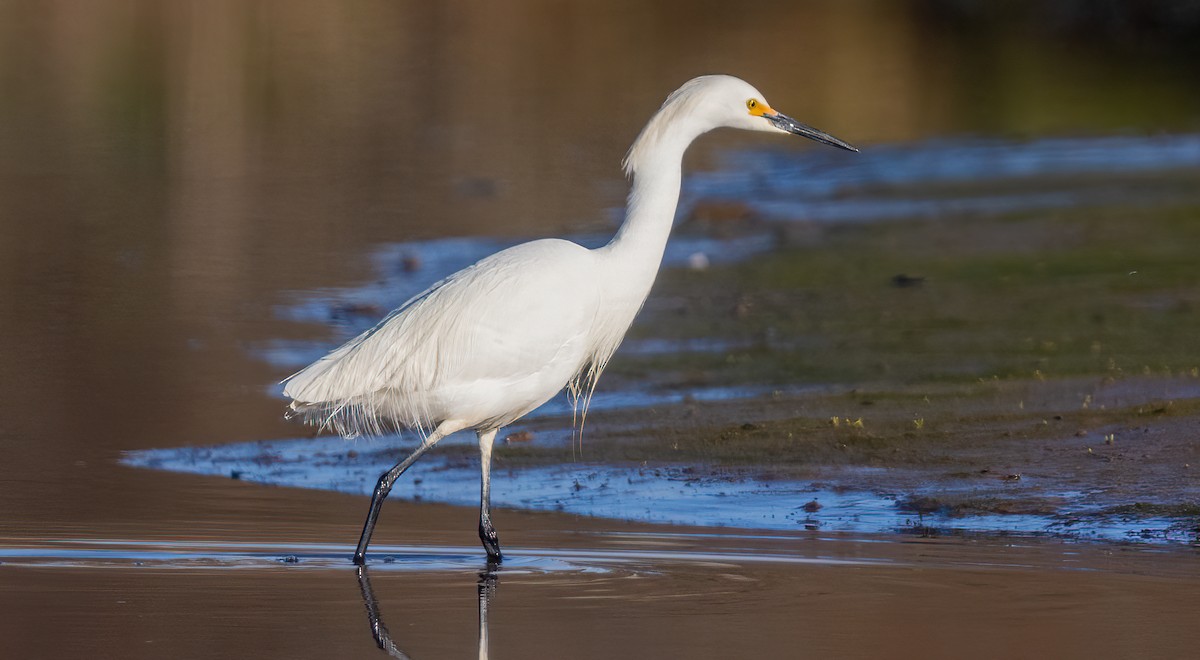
{"points": [[757, 108]]}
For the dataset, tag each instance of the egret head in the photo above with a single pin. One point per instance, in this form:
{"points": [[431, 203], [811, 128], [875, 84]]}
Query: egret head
{"points": [[736, 103], [709, 102]]}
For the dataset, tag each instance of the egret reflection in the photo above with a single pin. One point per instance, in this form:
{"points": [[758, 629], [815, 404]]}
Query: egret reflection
{"points": [[486, 589]]}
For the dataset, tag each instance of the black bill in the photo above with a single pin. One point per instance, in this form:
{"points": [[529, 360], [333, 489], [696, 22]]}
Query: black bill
{"points": [[786, 123]]}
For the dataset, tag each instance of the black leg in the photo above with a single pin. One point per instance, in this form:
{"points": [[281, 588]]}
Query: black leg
{"points": [[491, 542], [384, 486], [487, 533]]}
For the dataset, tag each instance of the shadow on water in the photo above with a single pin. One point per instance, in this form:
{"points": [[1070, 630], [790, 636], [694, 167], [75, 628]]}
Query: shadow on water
{"points": [[489, 579]]}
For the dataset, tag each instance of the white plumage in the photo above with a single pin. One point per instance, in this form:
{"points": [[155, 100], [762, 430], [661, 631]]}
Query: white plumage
{"points": [[528, 309], [490, 343]]}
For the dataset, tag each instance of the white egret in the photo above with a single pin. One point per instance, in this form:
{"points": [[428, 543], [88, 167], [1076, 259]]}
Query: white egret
{"points": [[483, 347]]}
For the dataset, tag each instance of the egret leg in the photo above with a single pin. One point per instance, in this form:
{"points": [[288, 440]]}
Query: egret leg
{"points": [[387, 479], [487, 533]]}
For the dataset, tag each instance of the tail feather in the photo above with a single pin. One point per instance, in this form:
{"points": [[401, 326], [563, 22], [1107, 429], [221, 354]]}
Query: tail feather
{"points": [[351, 390], [346, 392]]}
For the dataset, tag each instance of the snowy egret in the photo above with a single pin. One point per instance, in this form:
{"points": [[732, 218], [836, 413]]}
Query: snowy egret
{"points": [[488, 344]]}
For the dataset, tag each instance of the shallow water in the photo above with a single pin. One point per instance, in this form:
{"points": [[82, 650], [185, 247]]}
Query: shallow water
{"points": [[635, 594]]}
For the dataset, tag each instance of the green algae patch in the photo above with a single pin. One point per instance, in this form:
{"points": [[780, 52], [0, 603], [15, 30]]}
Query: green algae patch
{"points": [[1096, 292], [1004, 428]]}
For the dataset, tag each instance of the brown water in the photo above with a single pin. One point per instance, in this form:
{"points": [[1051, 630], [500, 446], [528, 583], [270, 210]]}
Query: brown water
{"points": [[626, 594], [167, 170]]}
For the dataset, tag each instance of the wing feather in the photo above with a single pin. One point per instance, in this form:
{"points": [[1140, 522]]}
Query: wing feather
{"points": [[502, 320]]}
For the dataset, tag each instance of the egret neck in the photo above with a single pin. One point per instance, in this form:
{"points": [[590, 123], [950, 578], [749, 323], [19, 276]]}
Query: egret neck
{"points": [[655, 162]]}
